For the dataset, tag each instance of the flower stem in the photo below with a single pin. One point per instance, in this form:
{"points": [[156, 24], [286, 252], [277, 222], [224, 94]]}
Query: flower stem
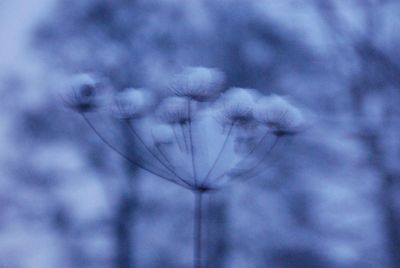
{"points": [[197, 230], [130, 160], [192, 152], [218, 155]]}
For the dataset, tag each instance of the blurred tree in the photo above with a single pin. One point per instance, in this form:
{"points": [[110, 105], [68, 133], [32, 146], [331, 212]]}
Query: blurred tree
{"points": [[373, 87]]}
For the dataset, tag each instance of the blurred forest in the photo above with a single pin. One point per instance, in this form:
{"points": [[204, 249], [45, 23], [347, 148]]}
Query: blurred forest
{"points": [[330, 197]]}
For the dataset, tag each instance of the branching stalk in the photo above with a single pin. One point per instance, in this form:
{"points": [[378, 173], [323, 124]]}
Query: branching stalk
{"points": [[127, 158], [252, 171], [246, 156], [134, 132], [219, 154], [192, 152], [250, 176], [185, 142], [177, 139]]}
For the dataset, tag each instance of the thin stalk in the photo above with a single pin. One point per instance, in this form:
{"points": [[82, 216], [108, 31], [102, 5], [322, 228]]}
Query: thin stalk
{"points": [[219, 154], [185, 142], [255, 146], [192, 153], [172, 170], [164, 156], [246, 156], [197, 230], [127, 158], [253, 170], [176, 138]]}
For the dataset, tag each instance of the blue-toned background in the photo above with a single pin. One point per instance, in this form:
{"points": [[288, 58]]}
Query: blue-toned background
{"points": [[329, 198]]}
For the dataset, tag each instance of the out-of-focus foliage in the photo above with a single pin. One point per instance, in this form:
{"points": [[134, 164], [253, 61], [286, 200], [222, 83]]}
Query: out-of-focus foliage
{"points": [[330, 198]]}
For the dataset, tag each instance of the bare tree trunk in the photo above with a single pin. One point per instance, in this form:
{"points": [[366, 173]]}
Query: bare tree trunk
{"points": [[217, 234], [62, 223], [123, 225], [391, 220], [126, 208]]}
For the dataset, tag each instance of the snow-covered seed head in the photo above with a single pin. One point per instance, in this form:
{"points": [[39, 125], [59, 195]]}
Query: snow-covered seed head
{"points": [[82, 93], [132, 103], [279, 115], [198, 83], [162, 134], [238, 105], [173, 110]]}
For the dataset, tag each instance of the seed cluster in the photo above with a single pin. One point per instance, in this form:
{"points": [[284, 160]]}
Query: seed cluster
{"points": [[190, 133]]}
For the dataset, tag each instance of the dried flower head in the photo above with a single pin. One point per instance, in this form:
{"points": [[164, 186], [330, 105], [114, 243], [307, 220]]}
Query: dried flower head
{"points": [[132, 103], [279, 115], [198, 83], [173, 110], [82, 93], [195, 154], [238, 105]]}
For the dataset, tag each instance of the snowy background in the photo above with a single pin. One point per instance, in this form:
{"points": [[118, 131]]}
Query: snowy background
{"points": [[330, 197]]}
